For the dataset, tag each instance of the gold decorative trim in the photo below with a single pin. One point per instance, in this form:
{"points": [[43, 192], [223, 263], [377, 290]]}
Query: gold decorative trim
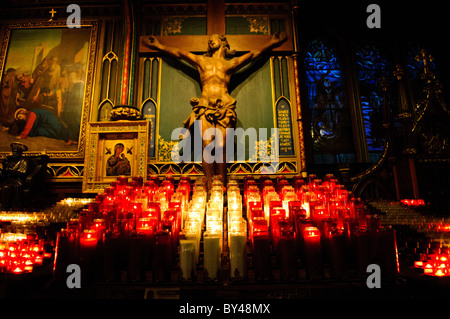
{"points": [[258, 24], [94, 179], [373, 168], [168, 151], [172, 25]]}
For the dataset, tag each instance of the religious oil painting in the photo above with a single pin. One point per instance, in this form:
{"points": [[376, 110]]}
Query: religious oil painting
{"points": [[46, 84], [113, 149], [118, 154]]}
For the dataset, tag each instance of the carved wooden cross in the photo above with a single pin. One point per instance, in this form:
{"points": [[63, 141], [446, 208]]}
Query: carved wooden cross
{"points": [[216, 25], [239, 43]]}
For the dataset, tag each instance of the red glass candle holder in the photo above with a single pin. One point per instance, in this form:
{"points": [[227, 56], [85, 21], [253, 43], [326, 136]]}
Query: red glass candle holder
{"points": [[258, 224], [163, 256], [275, 214], [122, 180], [154, 210], [147, 225], [287, 250], [253, 206], [261, 260], [88, 239], [312, 252], [99, 225]]}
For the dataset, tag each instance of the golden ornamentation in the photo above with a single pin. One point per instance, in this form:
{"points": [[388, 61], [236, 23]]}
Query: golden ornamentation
{"points": [[435, 144], [167, 151], [371, 169], [301, 156], [124, 112], [404, 116], [265, 151], [398, 73], [172, 25], [423, 57], [410, 151], [94, 179], [259, 24], [243, 168]]}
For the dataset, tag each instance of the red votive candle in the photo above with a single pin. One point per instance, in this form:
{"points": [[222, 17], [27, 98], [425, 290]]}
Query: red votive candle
{"points": [[99, 225], [258, 224], [275, 204], [363, 251], [136, 208], [63, 253], [317, 214], [253, 206], [168, 188], [172, 216], [388, 251], [122, 180], [287, 251], [336, 252], [88, 252], [138, 180], [109, 215], [85, 217], [154, 210], [162, 258], [88, 239], [146, 225], [276, 214], [293, 205], [257, 213], [261, 252], [297, 214], [312, 252]]}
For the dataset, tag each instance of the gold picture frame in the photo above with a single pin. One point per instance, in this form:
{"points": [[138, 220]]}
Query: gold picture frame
{"points": [[48, 67], [114, 149]]}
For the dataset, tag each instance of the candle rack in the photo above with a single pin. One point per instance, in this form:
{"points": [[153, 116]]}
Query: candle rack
{"points": [[269, 231]]}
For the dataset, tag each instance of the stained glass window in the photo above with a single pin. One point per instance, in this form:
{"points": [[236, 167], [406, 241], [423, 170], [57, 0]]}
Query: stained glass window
{"points": [[331, 125], [371, 67]]}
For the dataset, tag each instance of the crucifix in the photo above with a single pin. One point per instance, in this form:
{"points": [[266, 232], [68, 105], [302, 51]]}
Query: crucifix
{"points": [[52, 12], [215, 108]]}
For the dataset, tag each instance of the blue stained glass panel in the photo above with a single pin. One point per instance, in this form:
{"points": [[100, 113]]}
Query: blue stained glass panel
{"points": [[371, 67], [331, 127]]}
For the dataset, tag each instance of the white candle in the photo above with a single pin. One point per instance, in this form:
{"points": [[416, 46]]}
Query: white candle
{"points": [[187, 258], [234, 215], [212, 254], [193, 231], [214, 225], [238, 255], [237, 242]]}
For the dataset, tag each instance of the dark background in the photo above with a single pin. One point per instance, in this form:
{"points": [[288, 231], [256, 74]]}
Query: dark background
{"points": [[424, 22]]}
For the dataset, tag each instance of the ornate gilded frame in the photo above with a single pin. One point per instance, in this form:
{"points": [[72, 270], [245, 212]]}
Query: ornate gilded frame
{"points": [[101, 138], [88, 80]]}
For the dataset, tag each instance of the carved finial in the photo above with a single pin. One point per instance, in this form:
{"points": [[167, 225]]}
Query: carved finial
{"points": [[398, 73], [425, 59]]}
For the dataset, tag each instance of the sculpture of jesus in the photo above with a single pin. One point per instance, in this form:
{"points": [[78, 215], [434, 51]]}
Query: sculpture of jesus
{"points": [[215, 108]]}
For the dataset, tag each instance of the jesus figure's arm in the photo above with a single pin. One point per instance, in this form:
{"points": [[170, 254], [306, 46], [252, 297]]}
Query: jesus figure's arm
{"points": [[187, 56], [276, 40]]}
